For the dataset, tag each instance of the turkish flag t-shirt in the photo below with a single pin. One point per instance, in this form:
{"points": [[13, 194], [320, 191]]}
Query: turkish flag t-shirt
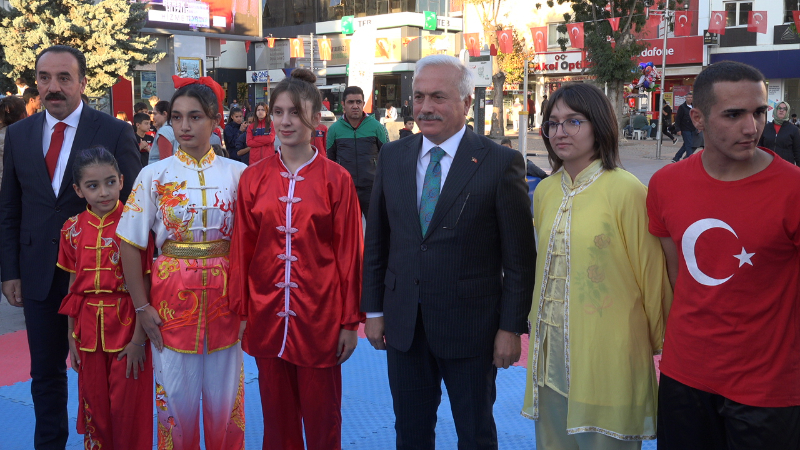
{"points": [[734, 326]]}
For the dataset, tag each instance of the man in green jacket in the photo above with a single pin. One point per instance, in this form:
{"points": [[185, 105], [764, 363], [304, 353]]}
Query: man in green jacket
{"points": [[354, 143]]}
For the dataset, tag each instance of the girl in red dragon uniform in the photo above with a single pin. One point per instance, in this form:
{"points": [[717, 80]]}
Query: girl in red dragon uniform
{"points": [[106, 342]]}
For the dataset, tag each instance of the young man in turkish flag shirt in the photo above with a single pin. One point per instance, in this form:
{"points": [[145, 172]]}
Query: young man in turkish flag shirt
{"points": [[730, 228]]}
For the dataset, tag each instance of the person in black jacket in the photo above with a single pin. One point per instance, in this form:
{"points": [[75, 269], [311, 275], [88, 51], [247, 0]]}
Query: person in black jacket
{"points": [[686, 129], [781, 136], [233, 130], [666, 121], [409, 127]]}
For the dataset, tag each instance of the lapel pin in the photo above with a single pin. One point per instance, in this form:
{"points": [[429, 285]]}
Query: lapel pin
{"points": [[474, 159]]}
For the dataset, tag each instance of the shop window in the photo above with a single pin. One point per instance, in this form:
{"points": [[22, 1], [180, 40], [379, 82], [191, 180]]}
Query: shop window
{"points": [[736, 13], [788, 7], [553, 35], [144, 86], [336, 9], [791, 93]]}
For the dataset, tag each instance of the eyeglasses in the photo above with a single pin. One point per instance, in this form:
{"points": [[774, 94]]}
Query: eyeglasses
{"points": [[570, 126], [781, 108]]}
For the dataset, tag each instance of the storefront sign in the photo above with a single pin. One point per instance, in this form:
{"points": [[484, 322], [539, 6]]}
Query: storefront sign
{"points": [[208, 16], [257, 76], [680, 50], [573, 78], [560, 62], [481, 68]]}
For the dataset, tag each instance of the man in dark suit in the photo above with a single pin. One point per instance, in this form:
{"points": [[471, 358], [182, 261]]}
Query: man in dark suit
{"points": [[686, 129], [448, 263], [35, 200]]}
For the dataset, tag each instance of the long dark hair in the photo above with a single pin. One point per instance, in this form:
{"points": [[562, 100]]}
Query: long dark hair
{"points": [[266, 117], [590, 101], [97, 155], [300, 86], [12, 109]]}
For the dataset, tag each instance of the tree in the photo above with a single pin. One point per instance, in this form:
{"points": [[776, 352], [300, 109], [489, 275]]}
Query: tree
{"points": [[511, 63], [106, 32], [612, 64], [488, 12]]}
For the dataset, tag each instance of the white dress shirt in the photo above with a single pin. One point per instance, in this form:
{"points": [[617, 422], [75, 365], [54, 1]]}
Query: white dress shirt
{"points": [[50, 122], [450, 148]]}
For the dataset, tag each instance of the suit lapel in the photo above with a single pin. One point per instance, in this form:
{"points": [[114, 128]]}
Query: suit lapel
{"points": [[38, 154], [408, 180], [468, 158], [84, 135]]}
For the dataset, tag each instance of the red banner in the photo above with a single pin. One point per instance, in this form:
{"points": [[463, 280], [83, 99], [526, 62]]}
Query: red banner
{"points": [[683, 23], [796, 16], [506, 41], [614, 21], [539, 35], [757, 22], [246, 46], [472, 43], [296, 49], [575, 31], [717, 23], [324, 49], [680, 50]]}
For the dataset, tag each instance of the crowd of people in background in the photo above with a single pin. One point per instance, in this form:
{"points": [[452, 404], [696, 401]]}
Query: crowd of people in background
{"points": [[258, 242]]}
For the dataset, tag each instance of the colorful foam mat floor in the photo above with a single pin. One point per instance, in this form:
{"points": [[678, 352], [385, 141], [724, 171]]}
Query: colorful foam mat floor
{"points": [[368, 420]]}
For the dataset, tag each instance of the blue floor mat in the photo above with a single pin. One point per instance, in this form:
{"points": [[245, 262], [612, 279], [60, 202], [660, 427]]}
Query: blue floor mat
{"points": [[367, 417]]}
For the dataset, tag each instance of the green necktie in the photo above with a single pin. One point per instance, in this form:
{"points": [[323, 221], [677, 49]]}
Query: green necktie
{"points": [[430, 188]]}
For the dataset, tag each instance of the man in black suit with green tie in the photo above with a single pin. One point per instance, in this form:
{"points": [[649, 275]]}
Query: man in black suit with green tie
{"points": [[448, 262]]}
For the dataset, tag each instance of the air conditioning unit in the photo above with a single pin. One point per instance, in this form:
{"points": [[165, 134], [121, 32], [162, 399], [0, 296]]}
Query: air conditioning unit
{"points": [[213, 48]]}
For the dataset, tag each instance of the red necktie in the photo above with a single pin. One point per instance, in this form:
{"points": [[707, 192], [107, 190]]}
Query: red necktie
{"points": [[56, 141]]}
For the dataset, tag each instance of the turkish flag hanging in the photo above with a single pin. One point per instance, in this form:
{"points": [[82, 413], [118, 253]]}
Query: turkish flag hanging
{"points": [[614, 21], [246, 46], [717, 24], [575, 31], [539, 39], [271, 42], [757, 21], [473, 43], [492, 50], [506, 41], [796, 16], [296, 49], [324, 49], [683, 23]]}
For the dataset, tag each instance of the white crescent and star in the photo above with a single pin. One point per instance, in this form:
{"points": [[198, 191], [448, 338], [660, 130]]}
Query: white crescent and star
{"points": [[683, 18], [759, 17], [718, 18], [574, 31], [690, 237]]}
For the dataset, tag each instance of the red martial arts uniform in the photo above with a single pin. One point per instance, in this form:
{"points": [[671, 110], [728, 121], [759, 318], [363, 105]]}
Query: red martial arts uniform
{"points": [[113, 411], [296, 261], [261, 140]]}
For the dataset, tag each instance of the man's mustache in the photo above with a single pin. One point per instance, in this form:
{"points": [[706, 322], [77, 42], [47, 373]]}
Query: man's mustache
{"points": [[55, 96], [429, 117]]}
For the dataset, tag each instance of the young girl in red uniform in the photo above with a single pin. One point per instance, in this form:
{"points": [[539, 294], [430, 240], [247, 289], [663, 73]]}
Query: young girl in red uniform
{"points": [[296, 258], [106, 341], [260, 135]]}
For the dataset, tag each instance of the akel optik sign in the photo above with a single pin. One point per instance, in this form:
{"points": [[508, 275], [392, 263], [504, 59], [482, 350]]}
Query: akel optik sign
{"points": [[560, 62]]}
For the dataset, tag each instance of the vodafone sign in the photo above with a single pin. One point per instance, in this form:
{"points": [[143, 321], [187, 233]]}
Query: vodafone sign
{"points": [[680, 50]]}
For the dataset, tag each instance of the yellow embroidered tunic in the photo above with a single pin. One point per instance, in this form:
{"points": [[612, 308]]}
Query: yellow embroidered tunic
{"points": [[599, 303]]}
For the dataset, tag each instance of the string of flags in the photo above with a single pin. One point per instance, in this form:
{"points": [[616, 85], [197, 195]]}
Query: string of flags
{"points": [[297, 47], [756, 22]]}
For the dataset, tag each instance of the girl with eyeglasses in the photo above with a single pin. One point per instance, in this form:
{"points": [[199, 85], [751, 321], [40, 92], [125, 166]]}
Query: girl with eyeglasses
{"points": [[781, 136], [602, 293]]}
